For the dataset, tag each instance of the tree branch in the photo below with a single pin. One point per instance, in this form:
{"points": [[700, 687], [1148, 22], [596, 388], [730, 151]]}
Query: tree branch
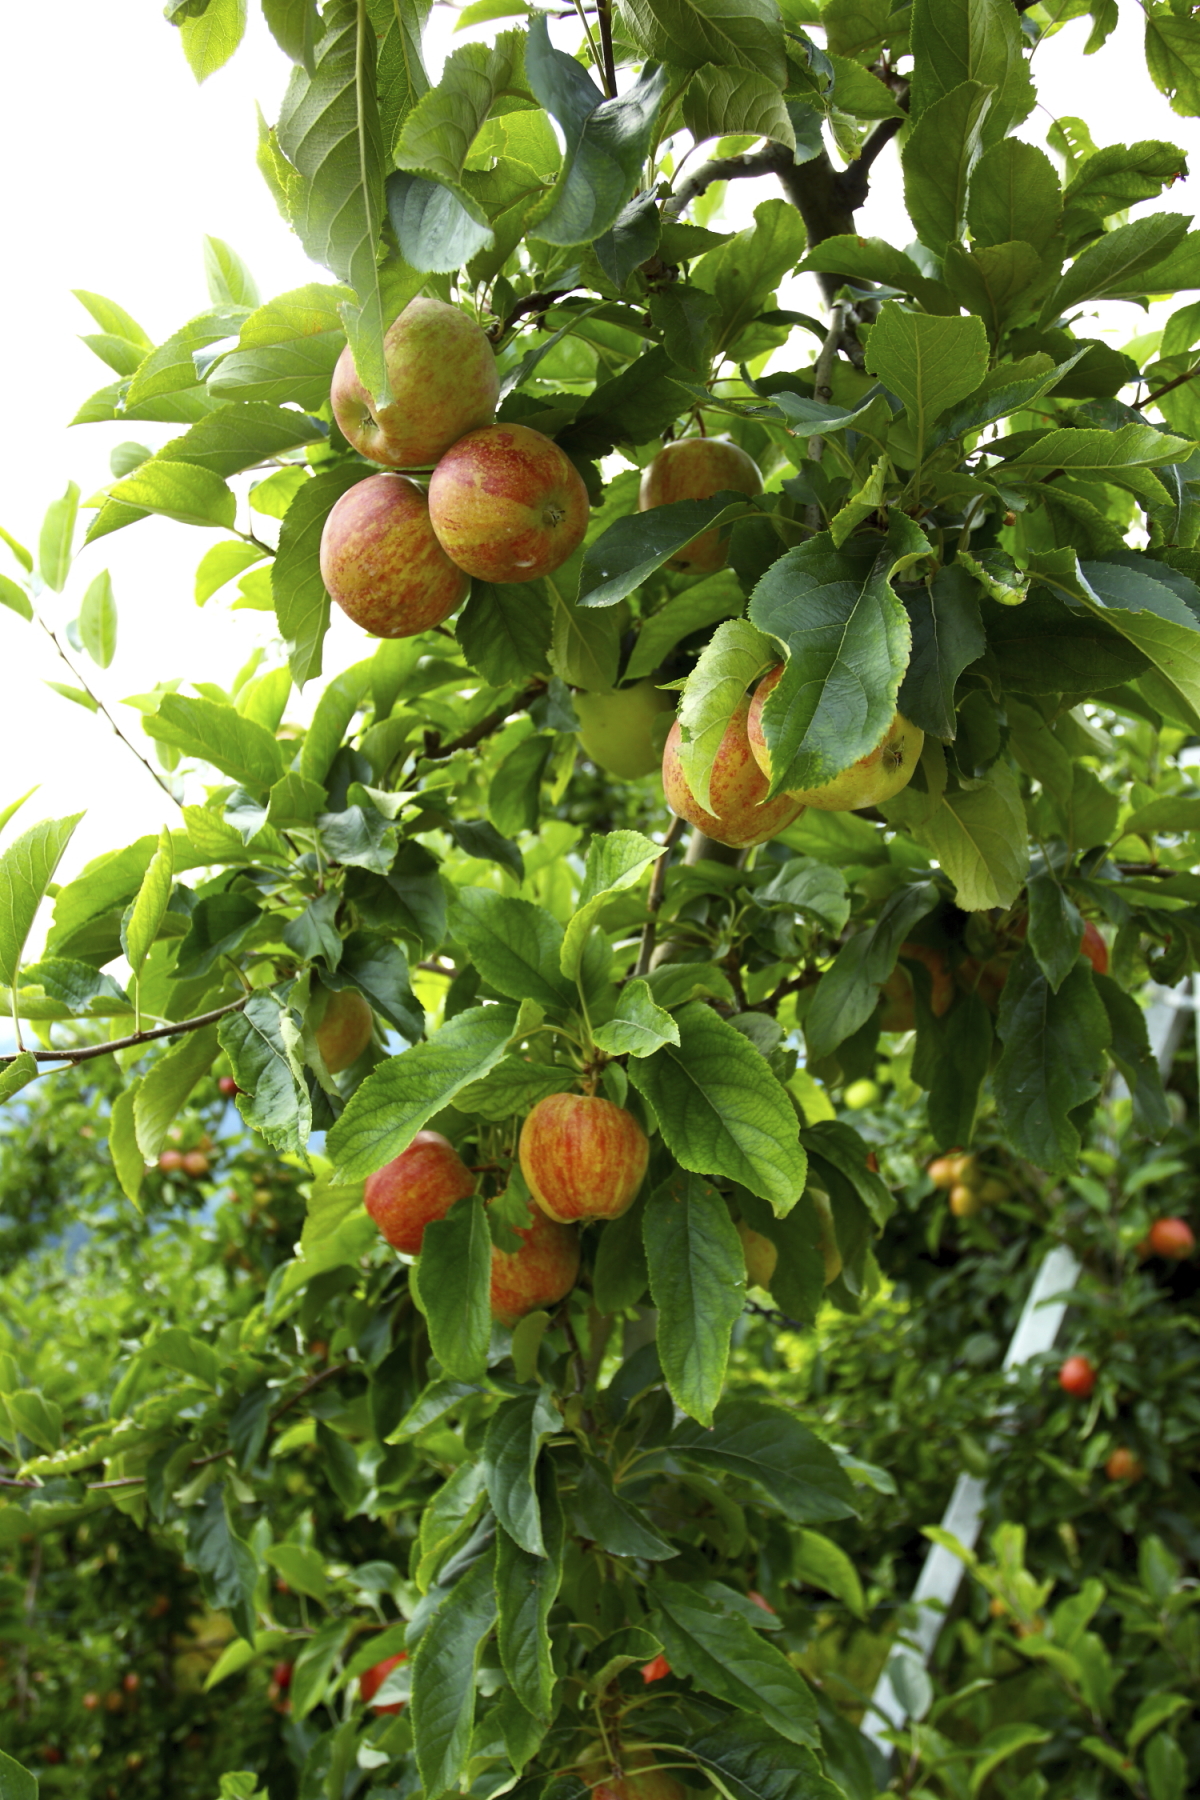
{"points": [[725, 168], [532, 303], [101, 708], [89, 1052], [434, 748], [654, 899], [604, 18], [1168, 385]]}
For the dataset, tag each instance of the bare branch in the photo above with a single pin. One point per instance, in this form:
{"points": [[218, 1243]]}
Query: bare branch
{"points": [[88, 1052], [654, 899], [492, 721]]}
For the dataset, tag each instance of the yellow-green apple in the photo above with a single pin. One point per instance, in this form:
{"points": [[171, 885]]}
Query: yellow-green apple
{"points": [[694, 469], [583, 1157], [372, 1679], [827, 1243], [382, 563], [965, 1201], [443, 380], [741, 814], [760, 1253], [416, 1187], [899, 1005], [345, 1029], [623, 730], [507, 504], [541, 1273], [872, 780]]}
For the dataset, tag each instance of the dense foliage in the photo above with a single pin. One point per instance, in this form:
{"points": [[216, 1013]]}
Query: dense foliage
{"points": [[974, 514]]}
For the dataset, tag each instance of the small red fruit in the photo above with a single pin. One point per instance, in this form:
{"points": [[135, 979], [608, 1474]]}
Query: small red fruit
{"points": [[170, 1161], [51, 1753], [1172, 1238], [1077, 1377], [657, 1669], [281, 1674], [583, 1157], [1093, 946], [371, 1680], [91, 1701], [415, 1188], [131, 1682], [195, 1164], [1123, 1465], [228, 1086]]}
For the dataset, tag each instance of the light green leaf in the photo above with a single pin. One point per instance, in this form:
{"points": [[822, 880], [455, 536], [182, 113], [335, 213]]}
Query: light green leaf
{"points": [[262, 1044], [971, 40], [16, 1783], [515, 945], [141, 928], [1116, 263], [222, 564], [697, 1281], [178, 490], [722, 101], [127, 1158], [615, 862], [1015, 195], [54, 541], [229, 280], [929, 363], [980, 838], [821, 1563], [26, 870], [15, 598], [938, 159], [639, 1028], [301, 603], [452, 1287], [166, 1085], [217, 734], [16, 1072], [738, 34], [211, 36], [98, 620], [705, 604]]}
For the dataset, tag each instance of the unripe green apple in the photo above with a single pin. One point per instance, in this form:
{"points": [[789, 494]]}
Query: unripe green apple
{"points": [[382, 563], [443, 379], [831, 1254], [694, 469], [345, 1029], [416, 1187], [583, 1157], [620, 730], [871, 781], [540, 1274], [507, 504], [741, 813], [761, 1256]]}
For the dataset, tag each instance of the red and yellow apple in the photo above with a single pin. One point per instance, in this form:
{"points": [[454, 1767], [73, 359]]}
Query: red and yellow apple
{"points": [[540, 1274], [416, 1187], [583, 1157], [1077, 1377], [741, 815], [871, 781], [345, 1029], [694, 469], [372, 1679], [507, 504], [1123, 1465], [1173, 1239], [622, 731], [761, 1256], [382, 563], [443, 380]]}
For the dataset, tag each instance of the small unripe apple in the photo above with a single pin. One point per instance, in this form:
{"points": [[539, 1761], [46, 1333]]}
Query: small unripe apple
{"points": [[540, 1274], [657, 1669], [507, 504], [1123, 1465], [871, 781], [992, 1190], [170, 1161], [695, 469], [1171, 1238], [618, 730], [641, 1779], [372, 1679], [1077, 1377], [583, 1157], [965, 1201], [761, 1256], [382, 563], [345, 1029], [443, 379], [827, 1243], [861, 1094], [416, 1187], [742, 815], [947, 1171]]}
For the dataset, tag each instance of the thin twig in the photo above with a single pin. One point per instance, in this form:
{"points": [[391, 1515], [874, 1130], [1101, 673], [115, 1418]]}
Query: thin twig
{"points": [[101, 708], [1167, 386], [89, 1051], [532, 303], [654, 899], [434, 748], [726, 168], [823, 394], [596, 56]]}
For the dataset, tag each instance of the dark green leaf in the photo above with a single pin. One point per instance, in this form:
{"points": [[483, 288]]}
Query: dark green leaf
{"points": [[941, 150], [1130, 1050], [453, 1278], [1052, 1060], [610, 1521], [622, 557], [751, 1761], [510, 1456], [768, 1447], [1055, 928], [697, 1282], [947, 635], [226, 1565], [504, 632], [726, 1657], [964, 1050], [443, 1686], [527, 1586], [262, 1044], [848, 992]]}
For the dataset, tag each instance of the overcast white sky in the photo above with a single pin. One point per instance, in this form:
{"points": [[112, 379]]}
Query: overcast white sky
{"points": [[113, 189]]}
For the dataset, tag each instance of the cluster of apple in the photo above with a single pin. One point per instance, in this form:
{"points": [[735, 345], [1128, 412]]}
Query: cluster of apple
{"points": [[970, 1187], [1077, 1377], [503, 502]]}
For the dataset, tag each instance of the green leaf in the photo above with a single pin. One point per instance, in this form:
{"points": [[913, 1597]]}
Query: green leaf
{"points": [[941, 151], [217, 734], [929, 363], [1157, 622], [514, 1087], [1119, 176], [743, 273], [527, 1586], [15, 598], [970, 40], [98, 620], [443, 1683], [166, 1085], [314, 1666], [998, 1746], [178, 490], [602, 1515], [702, 605], [697, 1282], [504, 632], [1116, 263], [727, 1658], [615, 862], [847, 639], [740, 34], [848, 992], [585, 646], [723, 101], [36, 1418], [873, 259], [750, 1761], [262, 1044], [721, 1110], [947, 636], [766, 1446], [176, 1348], [453, 1278], [223, 563], [16, 1072], [963, 1055], [979, 836], [514, 793], [127, 1158], [736, 654], [26, 870], [301, 603], [1130, 1050], [383, 1115], [515, 945], [16, 1783], [211, 35], [340, 699], [55, 538], [1051, 1063], [227, 1566], [639, 1027], [1014, 196], [821, 1563], [1152, 1712], [621, 558], [229, 280], [1173, 60], [141, 928], [511, 1450], [236, 436]]}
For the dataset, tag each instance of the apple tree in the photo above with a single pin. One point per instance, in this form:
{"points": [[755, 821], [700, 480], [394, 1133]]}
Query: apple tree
{"points": [[919, 576]]}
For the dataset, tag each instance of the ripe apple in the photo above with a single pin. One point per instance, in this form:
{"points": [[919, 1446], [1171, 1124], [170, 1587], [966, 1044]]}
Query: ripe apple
{"points": [[507, 504], [281, 1674], [444, 382], [195, 1164], [170, 1161], [695, 469], [761, 1256], [657, 1669], [228, 1086], [738, 788], [540, 1274], [1123, 1465], [1094, 947], [617, 729], [372, 1679], [870, 781], [827, 1243], [1077, 1377], [382, 563], [583, 1157], [945, 1171], [1171, 1238], [416, 1187], [345, 1029]]}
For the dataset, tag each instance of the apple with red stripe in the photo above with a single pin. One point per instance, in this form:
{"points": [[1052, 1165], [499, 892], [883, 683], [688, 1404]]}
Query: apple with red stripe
{"points": [[583, 1157]]}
